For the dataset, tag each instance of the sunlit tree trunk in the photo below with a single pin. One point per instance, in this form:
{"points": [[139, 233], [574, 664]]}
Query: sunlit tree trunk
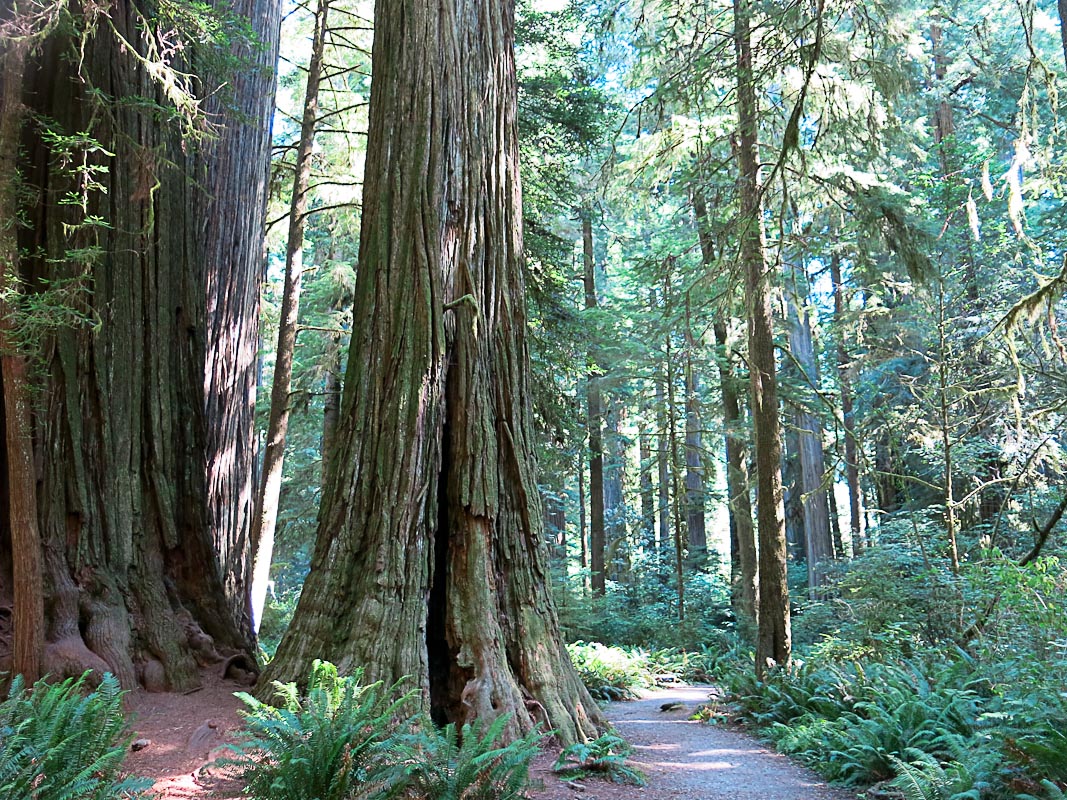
{"points": [[852, 470], [818, 542], [773, 644], [266, 519], [429, 560]]}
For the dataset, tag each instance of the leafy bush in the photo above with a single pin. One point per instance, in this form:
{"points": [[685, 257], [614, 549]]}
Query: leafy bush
{"points": [[319, 746], [59, 742], [458, 763], [611, 673], [605, 755]]}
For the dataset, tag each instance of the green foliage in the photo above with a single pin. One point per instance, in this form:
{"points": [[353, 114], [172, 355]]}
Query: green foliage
{"points": [[926, 778], [318, 745], [606, 755], [611, 673], [62, 742], [458, 764]]}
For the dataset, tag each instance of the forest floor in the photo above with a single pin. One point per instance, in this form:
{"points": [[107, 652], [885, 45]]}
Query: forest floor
{"points": [[682, 759]]}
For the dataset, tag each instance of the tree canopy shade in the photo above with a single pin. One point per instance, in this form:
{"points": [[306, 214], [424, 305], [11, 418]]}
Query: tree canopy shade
{"points": [[142, 203], [429, 561]]}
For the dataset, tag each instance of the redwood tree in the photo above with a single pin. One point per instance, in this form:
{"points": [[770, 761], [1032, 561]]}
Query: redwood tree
{"points": [[429, 560], [144, 421]]}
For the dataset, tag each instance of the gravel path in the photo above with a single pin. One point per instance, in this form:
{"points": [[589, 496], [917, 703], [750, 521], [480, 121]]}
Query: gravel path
{"points": [[696, 761]]}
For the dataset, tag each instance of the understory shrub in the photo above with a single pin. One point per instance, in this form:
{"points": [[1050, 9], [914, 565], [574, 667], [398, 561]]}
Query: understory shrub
{"points": [[611, 673], [342, 740], [64, 742], [606, 755]]}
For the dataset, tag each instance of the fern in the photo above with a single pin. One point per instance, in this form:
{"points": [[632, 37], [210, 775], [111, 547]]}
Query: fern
{"points": [[456, 764], [605, 755], [316, 746], [59, 742]]}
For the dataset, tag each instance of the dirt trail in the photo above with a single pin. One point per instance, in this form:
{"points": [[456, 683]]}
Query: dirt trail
{"points": [[683, 760], [695, 761]]}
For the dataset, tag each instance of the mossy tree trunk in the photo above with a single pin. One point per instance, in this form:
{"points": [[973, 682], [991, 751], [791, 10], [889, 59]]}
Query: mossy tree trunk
{"points": [[773, 643], [430, 561], [143, 427]]}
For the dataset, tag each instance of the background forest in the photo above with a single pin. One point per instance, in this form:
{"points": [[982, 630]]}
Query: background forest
{"points": [[794, 279]]}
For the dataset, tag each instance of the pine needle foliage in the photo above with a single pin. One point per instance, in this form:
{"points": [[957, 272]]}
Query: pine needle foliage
{"points": [[318, 745], [63, 742], [605, 755], [467, 763]]}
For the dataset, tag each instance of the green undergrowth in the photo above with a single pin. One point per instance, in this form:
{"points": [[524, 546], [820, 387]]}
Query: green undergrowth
{"points": [[345, 740], [65, 741], [620, 673], [884, 690], [604, 756]]}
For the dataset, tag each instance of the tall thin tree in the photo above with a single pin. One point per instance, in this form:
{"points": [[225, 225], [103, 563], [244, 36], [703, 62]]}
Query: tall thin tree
{"points": [[266, 519], [773, 644]]}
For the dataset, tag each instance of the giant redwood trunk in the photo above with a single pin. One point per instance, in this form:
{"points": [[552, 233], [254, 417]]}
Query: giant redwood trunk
{"points": [[429, 561], [143, 428], [773, 643]]}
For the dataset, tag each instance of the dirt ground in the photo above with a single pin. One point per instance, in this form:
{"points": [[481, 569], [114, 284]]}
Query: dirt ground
{"points": [[682, 759]]}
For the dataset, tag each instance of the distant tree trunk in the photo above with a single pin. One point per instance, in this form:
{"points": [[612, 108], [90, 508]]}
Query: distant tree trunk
{"points": [[736, 441], [835, 523], [582, 527], [774, 641], [852, 470], [672, 438], [617, 555], [266, 519], [819, 548], [694, 457], [594, 413], [648, 492], [141, 514], [663, 475], [430, 560], [792, 496], [18, 473]]}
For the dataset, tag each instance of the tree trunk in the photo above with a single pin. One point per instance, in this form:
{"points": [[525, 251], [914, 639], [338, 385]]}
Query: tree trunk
{"points": [[18, 474], [265, 522], [663, 476], [594, 414], [819, 547], [648, 493], [852, 469], [1062, 6], [235, 259], [672, 434], [582, 526], [145, 569], [429, 560], [331, 405], [736, 441], [694, 458], [617, 555], [773, 644]]}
